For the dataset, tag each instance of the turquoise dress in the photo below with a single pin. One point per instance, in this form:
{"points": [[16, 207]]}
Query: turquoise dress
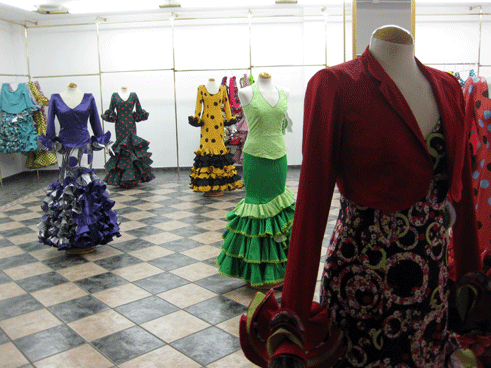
{"points": [[255, 243]]}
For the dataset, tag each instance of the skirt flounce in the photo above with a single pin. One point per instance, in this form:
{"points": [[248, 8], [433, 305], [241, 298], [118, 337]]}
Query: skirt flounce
{"points": [[78, 213], [131, 162]]}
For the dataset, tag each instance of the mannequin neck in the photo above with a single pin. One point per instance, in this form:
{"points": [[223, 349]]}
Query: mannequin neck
{"points": [[72, 96], [395, 58], [124, 93], [212, 86], [265, 84]]}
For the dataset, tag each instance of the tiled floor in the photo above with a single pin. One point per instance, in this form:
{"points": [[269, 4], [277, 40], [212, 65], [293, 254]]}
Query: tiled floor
{"points": [[151, 298]]}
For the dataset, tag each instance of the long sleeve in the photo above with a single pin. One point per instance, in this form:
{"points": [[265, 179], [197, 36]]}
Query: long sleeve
{"points": [[317, 181], [110, 114], [139, 114], [50, 129], [99, 139], [196, 119], [229, 119]]}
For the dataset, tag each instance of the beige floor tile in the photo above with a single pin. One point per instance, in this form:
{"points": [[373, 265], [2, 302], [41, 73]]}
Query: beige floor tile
{"points": [[29, 237], [12, 225], [139, 215], [148, 206], [103, 251], [124, 237], [155, 198], [171, 225], [58, 294], [100, 325], [221, 205], [81, 356], [175, 326], [26, 216], [150, 253], [11, 357], [138, 271], [185, 205], [244, 295], [161, 238], [47, 253], [124, 198], [208, 237], [231, 326], [177, 215], [132, 191], [120, 295], [213, 225], [217, 214], [16, 207], [10, 251], [236, 360], [186, 295], [195, 272], [81, 271], [170, 185], [31, 269], [163, 191], [190, 197], [130, 225], [203, 252], [33, 228], [119, 205], [10, 290], [29, 323], [163, 357]]}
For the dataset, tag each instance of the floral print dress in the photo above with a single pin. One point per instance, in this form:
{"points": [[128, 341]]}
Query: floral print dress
{"points": [[385, 280]]}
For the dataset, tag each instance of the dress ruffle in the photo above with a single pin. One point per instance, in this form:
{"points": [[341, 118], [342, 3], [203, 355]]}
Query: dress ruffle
{"points": [[196, 122], [131, 163], [219, 161], [78, 214], [110, 116], [140, 115], [99, 143], [255, 245], [17, 132]]}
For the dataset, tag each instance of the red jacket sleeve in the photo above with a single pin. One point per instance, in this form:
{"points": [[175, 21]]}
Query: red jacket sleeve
{"points": [[322, 113]]}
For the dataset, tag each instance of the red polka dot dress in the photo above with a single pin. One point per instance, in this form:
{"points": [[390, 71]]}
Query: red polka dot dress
{"points": [[478, 112], [131, 162]]}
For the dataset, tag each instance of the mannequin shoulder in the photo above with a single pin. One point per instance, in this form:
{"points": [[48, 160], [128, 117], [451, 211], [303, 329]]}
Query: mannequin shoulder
{"points": [[245, 95]]}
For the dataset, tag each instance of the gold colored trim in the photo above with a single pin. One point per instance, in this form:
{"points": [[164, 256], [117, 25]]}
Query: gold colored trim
{"points": [[286, 1], [136, 70], [42, 11], [100, 76], [354, 27], [413, 19], [14, 75], [66, 75], [344, 32], [480, 35], [27, 53], [172, 19], [167, 6], [11, 22]]}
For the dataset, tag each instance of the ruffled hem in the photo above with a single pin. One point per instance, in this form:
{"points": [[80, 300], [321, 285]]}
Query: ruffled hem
{"points": [[78, 214], [220, 184], [194, 121], [99, 143], [266, 210], [131, 163], [232, 121], [219, 161], [140, 115], [110, 116]]}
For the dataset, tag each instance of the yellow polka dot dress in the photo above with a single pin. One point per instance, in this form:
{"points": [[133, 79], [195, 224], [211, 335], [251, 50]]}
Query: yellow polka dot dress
{"points": [[213, 168]]}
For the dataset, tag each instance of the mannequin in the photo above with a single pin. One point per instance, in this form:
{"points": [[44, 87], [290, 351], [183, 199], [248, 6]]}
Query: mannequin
{"points": [[72, 96], [124, 93], [212, 87], [267, 89], [393, 48]]}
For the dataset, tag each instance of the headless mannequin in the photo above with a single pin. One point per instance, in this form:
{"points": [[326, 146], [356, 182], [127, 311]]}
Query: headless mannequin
{"points": [[393, 48], [266, 87], [212, 86], [72, 96], [124, 93]]}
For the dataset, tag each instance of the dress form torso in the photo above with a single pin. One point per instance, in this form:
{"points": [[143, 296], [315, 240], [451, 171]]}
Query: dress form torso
{"points": [[72, 96], [268, 90], [212, 86], [393, 48], [124, 93]]}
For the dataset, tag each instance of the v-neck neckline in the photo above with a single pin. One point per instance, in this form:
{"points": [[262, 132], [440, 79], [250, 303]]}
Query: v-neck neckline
{"points": [[277, 102], [121, 98], [83, 98]]}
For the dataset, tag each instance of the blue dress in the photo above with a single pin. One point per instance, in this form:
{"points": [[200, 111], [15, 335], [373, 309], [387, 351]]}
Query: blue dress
{"points": [[78, 211], [17, 131]]}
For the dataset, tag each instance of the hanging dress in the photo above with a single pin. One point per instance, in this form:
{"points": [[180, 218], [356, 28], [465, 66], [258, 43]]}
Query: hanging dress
{"points": [[77, 209], [17, 132], [385, 280], [242, 129], [40, 158], [255, 243], [478, 112], [213, 168], [131, 162]]}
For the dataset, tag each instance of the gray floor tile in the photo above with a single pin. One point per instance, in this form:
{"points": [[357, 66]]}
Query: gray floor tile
{"points": [[216, 310], [75, 309], [132, 245], [119, 261], [64, 261], [208, 345], [3, 337], [189, 231], [127, 344], [49, 342], [4, 278], [100, 282], [220, 284], [146, 309], [181, 245], [172, 261], [144, 231], [16, 232], [39, 282], [15, 261], [161, 282], [18, 305]]}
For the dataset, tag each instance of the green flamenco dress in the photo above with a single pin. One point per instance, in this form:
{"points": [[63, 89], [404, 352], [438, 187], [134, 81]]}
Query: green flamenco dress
{"points": [[257, 237]]}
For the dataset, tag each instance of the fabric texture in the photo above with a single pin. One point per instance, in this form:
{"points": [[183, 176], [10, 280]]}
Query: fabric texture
{"points": [[478, 114], [40, 158], [131, 162], [213, 168], [77, 209], [17, 131]]}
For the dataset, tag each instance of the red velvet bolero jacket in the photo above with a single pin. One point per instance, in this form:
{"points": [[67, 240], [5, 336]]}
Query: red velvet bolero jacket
{"points": [[360, 133]]}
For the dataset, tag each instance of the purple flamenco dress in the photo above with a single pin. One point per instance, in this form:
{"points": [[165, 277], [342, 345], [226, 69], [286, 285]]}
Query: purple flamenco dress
{"points": [[78, 211]]}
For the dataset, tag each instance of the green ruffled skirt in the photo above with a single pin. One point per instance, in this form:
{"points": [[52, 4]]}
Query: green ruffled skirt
{"points": [[255, 243]]}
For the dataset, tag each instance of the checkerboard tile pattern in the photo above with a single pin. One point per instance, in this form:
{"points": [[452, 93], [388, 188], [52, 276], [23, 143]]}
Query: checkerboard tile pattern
{"points": [[152, 297]]}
